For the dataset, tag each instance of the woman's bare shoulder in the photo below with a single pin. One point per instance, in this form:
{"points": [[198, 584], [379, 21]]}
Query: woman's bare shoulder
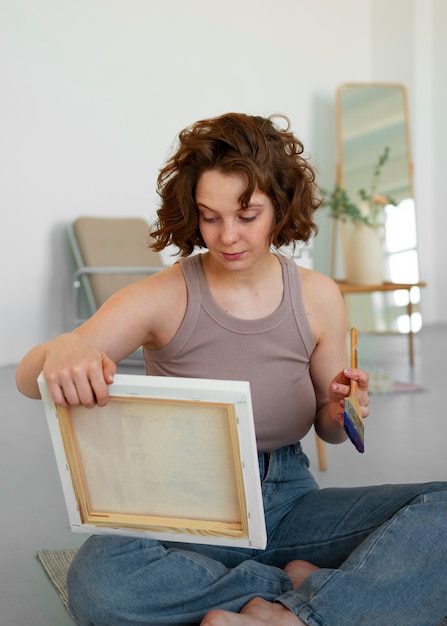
{"points": [[169, 277], [313, 281], [147, 312], [165, 299], [159, 288]]}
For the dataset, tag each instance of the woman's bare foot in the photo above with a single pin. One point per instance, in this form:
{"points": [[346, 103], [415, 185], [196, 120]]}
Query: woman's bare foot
{"points": [[298, 571], [257, 612]]}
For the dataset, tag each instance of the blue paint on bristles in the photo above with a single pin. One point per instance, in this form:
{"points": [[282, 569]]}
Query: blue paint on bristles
{"points": [[352, 417], [353, 427]]}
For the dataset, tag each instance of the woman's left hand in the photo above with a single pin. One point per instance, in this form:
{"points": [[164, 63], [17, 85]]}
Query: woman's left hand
{"points": [[340, 388]]}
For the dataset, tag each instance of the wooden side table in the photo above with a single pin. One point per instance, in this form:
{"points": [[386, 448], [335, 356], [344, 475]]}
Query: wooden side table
{"points": [[351, 288]]}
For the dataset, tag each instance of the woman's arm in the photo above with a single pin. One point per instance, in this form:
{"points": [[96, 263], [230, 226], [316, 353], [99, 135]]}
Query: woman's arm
{"points": [[79, 366], [77, 370], [328, 366]]}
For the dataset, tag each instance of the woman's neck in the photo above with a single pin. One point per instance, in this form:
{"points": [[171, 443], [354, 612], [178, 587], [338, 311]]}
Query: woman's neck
{"points": [[253, 294]]}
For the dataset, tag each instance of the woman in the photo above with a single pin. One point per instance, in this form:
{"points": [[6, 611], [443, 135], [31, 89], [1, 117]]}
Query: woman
{"points": [[239, 187]]}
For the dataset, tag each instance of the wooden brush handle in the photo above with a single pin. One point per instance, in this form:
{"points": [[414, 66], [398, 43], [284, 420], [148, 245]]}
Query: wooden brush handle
{"points": [[354, 361]]}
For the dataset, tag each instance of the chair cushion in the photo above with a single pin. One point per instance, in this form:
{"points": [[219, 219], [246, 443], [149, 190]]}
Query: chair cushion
{"points": [[114, 242]]}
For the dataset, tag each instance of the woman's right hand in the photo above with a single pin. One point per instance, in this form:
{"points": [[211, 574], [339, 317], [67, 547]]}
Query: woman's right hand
{"points": [[76, 372]]}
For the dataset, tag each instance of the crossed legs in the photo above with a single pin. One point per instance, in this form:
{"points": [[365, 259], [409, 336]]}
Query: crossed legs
{"points": [[375, 552]]}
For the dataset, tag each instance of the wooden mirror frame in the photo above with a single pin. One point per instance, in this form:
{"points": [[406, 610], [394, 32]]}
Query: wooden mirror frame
{"points": [[380, 118], [381, 115]]}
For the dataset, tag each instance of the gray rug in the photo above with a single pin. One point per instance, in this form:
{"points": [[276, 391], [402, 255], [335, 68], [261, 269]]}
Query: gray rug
{"points": [[381, 382], [56, 564]]}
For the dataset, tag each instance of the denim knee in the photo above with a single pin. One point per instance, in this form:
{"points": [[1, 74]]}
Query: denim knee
{"points": [[96, 580]]}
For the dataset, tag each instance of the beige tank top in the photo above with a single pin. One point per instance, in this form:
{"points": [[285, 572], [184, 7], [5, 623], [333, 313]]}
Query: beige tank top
{"points": [[272, 353]]}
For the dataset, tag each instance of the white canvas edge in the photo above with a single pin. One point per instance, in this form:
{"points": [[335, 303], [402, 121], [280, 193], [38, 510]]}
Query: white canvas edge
{"points": [[196, 389]]}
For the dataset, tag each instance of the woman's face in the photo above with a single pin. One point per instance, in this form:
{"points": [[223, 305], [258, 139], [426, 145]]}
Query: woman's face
{"points": [[236, 238]]}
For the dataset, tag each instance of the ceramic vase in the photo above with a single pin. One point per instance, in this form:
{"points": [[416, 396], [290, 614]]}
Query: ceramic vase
{"points": [[364, 256]]}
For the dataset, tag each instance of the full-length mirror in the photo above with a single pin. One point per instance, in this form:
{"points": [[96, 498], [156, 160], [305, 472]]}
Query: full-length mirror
{"points": [[372, 120]]}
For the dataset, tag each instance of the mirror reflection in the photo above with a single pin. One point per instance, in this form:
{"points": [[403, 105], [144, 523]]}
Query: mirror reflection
{"points": [[370, 118]]}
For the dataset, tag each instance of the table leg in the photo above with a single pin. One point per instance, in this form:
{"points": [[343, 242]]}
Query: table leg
{"points": [[321, 453], [410, 331]]}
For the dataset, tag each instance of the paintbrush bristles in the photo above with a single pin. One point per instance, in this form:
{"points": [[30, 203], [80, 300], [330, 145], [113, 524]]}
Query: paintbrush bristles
{"points": [[353, 425]]}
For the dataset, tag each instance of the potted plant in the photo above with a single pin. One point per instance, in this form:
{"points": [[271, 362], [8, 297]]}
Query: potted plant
{"points": [[363, 249], [369, 209]]}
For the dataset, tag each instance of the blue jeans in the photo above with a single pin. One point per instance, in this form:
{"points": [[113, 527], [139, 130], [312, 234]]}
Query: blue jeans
{"points": [[382, 553]]}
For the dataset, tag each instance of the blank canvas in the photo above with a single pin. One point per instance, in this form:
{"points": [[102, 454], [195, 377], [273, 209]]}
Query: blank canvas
{"points": [[171, 458]]}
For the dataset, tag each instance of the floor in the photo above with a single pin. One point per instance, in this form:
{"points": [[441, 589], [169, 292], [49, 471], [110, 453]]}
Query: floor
{"points": [[405, 442]]}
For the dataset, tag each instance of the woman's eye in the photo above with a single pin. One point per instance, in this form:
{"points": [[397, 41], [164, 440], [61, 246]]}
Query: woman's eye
{"points": [[245, 218]]}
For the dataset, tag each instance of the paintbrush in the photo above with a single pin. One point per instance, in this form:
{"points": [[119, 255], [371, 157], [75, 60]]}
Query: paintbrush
{"points": [[352, 418]]}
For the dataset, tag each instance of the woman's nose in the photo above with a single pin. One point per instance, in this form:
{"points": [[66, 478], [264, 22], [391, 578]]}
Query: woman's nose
{"points": [[228, 233]]}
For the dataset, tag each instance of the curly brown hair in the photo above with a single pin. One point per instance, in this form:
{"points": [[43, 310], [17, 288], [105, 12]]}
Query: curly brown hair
{"points": [[271, 159]]}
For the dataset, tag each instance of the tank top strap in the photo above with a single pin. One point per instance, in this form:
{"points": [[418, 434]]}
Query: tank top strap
{"points": [[292, 284], [191, 272]]}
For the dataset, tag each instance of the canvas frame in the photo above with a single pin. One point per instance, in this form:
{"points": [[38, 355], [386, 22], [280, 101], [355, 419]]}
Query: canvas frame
{"points": [[189, 443]]}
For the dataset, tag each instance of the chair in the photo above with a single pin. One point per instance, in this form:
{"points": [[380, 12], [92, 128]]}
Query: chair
{"points": [[104, 255]]}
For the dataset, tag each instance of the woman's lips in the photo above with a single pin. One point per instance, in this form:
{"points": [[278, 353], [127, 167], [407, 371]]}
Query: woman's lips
{"points": [[232, 256]]}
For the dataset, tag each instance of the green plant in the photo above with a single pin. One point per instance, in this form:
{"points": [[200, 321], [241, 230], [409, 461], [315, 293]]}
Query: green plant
{"points": [[369, 209]]}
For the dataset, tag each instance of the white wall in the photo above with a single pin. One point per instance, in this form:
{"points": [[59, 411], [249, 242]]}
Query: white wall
{"points": [[95, 91], [436, 245]]}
